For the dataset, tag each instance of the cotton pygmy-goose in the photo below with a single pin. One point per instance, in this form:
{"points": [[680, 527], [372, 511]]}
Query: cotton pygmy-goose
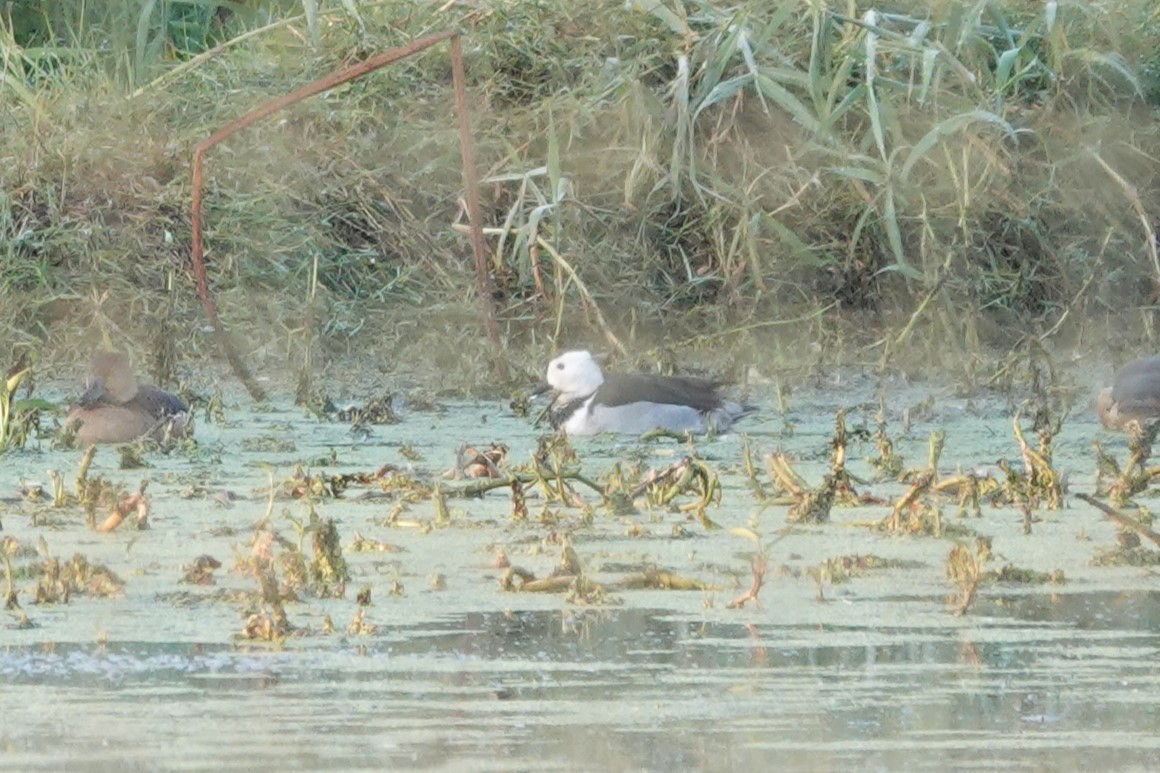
{"points": [[115, 408], [588, 402]]}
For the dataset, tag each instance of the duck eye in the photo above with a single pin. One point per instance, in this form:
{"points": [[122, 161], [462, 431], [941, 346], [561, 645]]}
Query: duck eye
{"points": [[559, 366]]}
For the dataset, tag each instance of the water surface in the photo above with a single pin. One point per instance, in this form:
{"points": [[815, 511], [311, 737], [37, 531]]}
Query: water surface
{"points": [[459, 674]]}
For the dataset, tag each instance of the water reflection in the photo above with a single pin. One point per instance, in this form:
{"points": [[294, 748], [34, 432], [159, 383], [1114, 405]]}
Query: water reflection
{"points": [[1035, 681]]}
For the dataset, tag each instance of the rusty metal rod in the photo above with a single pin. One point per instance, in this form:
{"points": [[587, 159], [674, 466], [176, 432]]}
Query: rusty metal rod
{"points": [[309, 90]]}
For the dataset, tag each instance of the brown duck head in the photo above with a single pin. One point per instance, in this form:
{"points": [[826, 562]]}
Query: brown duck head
{"points": [[110, 380]]}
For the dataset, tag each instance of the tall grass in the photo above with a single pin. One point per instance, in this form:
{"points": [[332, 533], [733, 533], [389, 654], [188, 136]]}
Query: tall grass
{"points": [[924, 183]]}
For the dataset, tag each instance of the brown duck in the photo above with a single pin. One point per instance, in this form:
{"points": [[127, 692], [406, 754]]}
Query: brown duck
{"points": [[115, 408], [1133, 396]]}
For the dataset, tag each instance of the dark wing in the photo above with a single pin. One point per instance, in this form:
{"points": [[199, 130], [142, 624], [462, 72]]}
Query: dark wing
{"points": [[698, 393], [1136, 387], [158, 402], [1137, 395], [1142, 368]]}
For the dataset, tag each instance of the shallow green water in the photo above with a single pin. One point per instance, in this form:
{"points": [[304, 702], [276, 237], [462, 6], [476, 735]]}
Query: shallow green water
{"points": [[469, 677]]}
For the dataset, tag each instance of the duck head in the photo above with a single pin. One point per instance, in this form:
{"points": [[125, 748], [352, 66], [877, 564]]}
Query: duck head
{"points": [[574, 374], [110, 380]]}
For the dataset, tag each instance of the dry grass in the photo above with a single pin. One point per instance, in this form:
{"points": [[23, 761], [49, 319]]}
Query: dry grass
{"points": [[905, 191]]}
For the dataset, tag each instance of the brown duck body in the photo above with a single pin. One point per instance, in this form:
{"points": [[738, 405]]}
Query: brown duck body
{"points": [[115, 408], [1133, 396]]}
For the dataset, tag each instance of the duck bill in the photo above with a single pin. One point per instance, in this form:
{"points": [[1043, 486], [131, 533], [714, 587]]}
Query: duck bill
{"points": [[541, 389], [94, 392]]}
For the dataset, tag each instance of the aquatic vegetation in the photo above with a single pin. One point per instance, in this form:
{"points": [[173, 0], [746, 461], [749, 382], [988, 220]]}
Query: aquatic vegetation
{"points": [[60, 495], [19, 418], [377, 411], [396, 483], [1010, 573], [396, 587], [521, 404], [136, 504], [471, 463], [964, 569], [788, 482], [752, 471], [130, 456], [8, 547], [519, 501], [327, 571], [614, 564], [653, 578], [1118, 483], [936, 442], [570, 578], [200, 571], [812, 505], [359, 626], [81, 485], [566, 573], [554, 464], [313, 486], [566, 576], [99, 493], [60, 580], [918, 510], [888, 464], [688, 476], [518, 579], [361, 544], [617, 485], [969, 489], [274, 444], [1128, 550], [439, 503], [552, 470], [1040, 484], [270, 622], [915, 511], [758, 563], [267, 626], [841, 569], [213, 409]]}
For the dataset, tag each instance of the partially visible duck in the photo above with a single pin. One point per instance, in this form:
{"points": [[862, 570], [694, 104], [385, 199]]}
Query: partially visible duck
{"points": [[588, 402], [115, 408], [1133, 396]]}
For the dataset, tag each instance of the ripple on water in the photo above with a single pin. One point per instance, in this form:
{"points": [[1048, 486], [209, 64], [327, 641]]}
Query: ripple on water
{"points": [[599, 689]]}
